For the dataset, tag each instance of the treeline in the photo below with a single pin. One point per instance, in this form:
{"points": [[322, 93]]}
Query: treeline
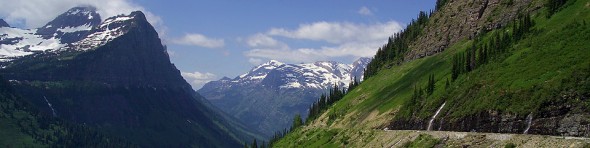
{"points": [[325, 101], [440, 4], [420, 94], [553, 6], [397, 45], [315, 110], [481, 52]]}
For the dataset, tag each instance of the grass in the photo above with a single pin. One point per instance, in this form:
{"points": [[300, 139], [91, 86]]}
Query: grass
{"points": [[422, 141], [312, 138], [533, 65], [532, 73]]}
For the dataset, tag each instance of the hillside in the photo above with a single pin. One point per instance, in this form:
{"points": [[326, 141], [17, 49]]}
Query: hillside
{"points": [[497, 66]]}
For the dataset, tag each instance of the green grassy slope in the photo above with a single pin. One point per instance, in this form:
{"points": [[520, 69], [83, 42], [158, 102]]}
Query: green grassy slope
{"points": [[554, 57]]}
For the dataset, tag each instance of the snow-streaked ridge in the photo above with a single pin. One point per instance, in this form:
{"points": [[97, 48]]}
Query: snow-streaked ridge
{"points": [[16, 42], [20, 42], [275, 74], [103, 34]]}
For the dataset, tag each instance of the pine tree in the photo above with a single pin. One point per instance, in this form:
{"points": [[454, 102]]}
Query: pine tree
{"points": [[447, 84], [430, 86], [254, 145], [297, 122]]}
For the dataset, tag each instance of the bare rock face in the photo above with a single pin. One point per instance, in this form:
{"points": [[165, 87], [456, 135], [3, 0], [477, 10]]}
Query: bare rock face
{"points": [[574, 125], [557, 122], [460, 20]]}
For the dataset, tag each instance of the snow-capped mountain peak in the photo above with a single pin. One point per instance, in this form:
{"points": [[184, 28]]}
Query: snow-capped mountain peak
{"points": [[72, 25], [259, 72], [275, 74], [78, 29], [318, 75], [105, 32], [269, 65]]}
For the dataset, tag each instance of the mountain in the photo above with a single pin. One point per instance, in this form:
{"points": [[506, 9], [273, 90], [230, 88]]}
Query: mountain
{"points": [[117, 79], [67, 28], [465, 69], [278, 90], [71, 26], [3, 23]]}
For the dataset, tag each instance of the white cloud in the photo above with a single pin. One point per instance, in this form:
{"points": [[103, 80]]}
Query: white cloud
{"points": [[255, 61], [348, 39], [339, 32], [195, 39], [299, 55], [198, 79], [36, 13], [365, 11], [264, 41]]}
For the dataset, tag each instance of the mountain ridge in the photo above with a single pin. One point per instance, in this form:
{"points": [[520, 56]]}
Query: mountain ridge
{"points": [[279, 90]]}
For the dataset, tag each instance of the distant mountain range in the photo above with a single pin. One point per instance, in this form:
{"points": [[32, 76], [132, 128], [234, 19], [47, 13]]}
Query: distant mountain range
{"points": [[115, 76], [269, 95]]}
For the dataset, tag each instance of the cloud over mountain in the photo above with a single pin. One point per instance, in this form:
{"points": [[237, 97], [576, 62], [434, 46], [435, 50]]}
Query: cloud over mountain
{"points": [[343, 39]]}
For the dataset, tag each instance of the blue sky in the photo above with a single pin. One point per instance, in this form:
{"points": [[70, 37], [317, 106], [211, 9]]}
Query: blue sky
{"points": [[211, 39]]}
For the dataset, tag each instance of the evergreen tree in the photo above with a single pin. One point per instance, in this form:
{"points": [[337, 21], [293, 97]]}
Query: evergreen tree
{"points": [[447, 84], [254, 144], [297, 122], [430, 86], [553, 6], [439, 4]]}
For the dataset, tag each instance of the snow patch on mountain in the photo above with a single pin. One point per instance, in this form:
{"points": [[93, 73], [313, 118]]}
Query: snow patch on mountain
{"points": [[16, 42], [275, 74], [86, 27], [110, 29], [259, 72]]}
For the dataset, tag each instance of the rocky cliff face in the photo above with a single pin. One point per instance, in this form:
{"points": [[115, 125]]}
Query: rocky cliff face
{"points": [[458, 20], [556, 123]]}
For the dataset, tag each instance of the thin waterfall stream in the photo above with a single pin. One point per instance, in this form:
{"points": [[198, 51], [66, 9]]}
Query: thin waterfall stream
{"points": [[434, 117], [529, 120], [50, 106]]}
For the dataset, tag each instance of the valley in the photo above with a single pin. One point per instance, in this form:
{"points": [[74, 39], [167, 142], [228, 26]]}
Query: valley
{"points": [[479, 73]]}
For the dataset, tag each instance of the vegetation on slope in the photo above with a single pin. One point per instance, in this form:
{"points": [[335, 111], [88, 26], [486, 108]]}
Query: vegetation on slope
{"points": [[533, 74]]}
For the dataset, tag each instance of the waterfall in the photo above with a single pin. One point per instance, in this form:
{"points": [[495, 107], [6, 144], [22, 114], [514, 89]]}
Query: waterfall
{"points": [[50, 106], [529, 120], [434, 117]]}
